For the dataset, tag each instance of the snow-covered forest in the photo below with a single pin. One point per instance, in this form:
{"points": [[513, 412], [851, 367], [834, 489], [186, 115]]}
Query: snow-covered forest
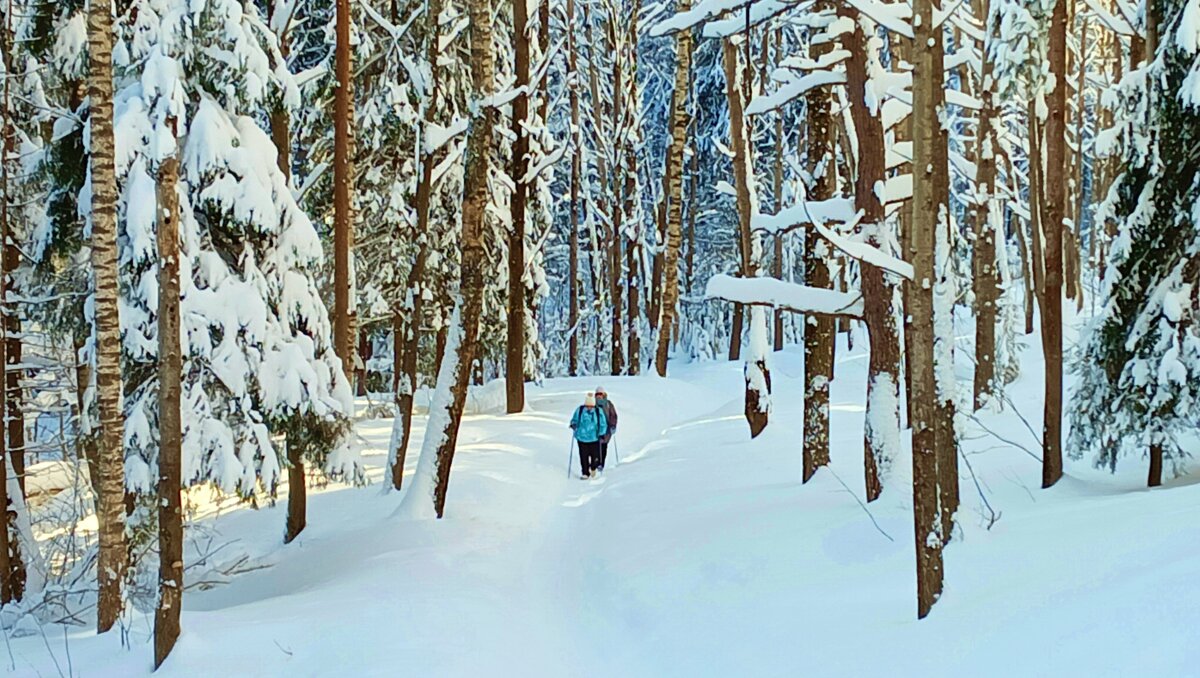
{"points": [[898, 301]]}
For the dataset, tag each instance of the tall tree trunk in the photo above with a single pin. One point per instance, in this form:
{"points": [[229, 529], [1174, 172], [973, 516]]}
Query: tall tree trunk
{"points": [[407, 324], [170, 423], [986, 280], [455, 372], [634, 274], [758, 377], [343, 179], [12, 451], [279, 119], [1052, 466], [777, 192], [945, 436], [882, 429], [926, 206], [614, 245], [674, 196], [577, 150], [514, 368], [1156, 466], [693, 209], [110, 503], [819, 330]]}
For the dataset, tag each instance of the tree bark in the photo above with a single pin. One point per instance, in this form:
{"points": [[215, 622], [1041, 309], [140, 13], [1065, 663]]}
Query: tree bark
{"points": [[297, 506], [819, 330], [343, 179], [674, 197], [576, 141], [757, 376], [460, 351], [110, 503], [170, 423], [514, 367], [1156, 466], [927, 88], [986, 281], [882, 429], [1052, 465]]}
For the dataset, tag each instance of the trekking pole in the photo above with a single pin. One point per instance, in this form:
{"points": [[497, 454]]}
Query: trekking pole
{"points": [[570, 455], [616, 452]]}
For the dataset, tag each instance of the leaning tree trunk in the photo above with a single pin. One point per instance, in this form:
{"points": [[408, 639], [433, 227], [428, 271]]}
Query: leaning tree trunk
{"points": [[1055, 149], [882, 430], [437, 454], [110, 503], [758, 377], [926, 206], [343, 179], [819, 329], [407, 322], [674, 170], [514, 365], [170, 424]]}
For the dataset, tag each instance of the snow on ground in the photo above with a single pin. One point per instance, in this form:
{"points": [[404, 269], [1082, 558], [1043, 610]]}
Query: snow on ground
{"points": [[699, 554]]}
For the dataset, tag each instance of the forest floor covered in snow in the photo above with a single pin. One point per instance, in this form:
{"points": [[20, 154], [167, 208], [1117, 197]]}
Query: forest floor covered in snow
{"points": [[700, 553]]}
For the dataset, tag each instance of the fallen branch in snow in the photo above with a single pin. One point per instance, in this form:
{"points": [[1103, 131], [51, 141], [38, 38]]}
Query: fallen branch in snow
{"points": [[860, 503], [784, 295], [993, 515]]}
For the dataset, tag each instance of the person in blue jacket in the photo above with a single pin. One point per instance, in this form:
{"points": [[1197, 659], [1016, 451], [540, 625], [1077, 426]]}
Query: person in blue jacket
{"points": [[590, 425]]}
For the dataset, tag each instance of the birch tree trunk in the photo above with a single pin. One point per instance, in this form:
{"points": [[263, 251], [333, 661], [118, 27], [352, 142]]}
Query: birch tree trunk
{"points": [[110, 457], [170, 424], [674, 198], [926, 207]]}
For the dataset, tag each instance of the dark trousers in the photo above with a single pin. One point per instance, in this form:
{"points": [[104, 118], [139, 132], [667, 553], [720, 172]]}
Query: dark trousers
{"points": [[589, 456], [603, 453]]}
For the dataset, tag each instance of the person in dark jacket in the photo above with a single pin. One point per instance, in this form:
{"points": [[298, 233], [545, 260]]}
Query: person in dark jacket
{"points": [[610, 412], [590, 425]]}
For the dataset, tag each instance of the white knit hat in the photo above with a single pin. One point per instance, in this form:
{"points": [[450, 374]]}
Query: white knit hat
{"points": [[600, 391], [590, 400]]}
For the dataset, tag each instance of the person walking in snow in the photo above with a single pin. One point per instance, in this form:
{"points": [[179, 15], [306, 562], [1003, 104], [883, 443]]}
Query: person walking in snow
{"points": [[610, 413], [590, 425]]}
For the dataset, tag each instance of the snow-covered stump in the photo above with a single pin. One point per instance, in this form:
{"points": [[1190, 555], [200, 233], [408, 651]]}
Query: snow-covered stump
{"points": [[758, 376]]}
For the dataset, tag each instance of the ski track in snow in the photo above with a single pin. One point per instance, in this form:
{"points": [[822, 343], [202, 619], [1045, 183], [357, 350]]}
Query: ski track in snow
{"points": [[699, 554]]}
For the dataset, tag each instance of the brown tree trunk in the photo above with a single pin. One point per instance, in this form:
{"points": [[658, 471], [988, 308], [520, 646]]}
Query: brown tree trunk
{"points": [[170, 423], [408, 330], [279, 120], [297, 506], [343, 179], [1052, 466], [758, 378], [693, 208], [577, 150], [460, 353], [674, 195], [927, 89], [1156, 466], [12, 452], [986, 281], [819, 330], [883, 375], [110, 502], [514, 367]]}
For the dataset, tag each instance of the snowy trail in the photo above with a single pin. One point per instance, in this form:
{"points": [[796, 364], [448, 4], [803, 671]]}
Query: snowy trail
{"points": [[699, 555]]}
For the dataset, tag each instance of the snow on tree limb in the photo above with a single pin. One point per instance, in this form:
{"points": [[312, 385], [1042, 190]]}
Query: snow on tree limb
{"points": [[834, 210], [784, 295], [894, 17], [793, 90], [760, 11], [1114, 23], [866, 253]]}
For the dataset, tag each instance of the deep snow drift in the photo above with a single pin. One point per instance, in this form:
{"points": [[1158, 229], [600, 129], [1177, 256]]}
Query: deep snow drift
{"points": [[699, 554]]}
